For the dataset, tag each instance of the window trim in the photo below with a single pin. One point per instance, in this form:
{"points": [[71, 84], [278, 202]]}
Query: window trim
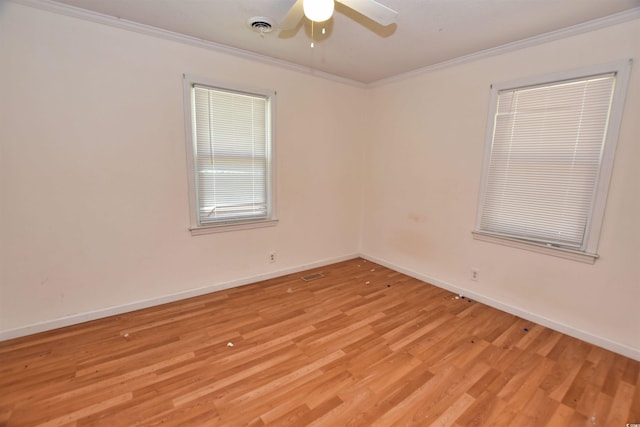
{"points": [[196, 228], [588, 254]]}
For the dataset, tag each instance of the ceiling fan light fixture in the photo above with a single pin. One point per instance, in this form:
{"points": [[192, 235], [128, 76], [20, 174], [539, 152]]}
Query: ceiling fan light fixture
{"points": [[318, 10]]}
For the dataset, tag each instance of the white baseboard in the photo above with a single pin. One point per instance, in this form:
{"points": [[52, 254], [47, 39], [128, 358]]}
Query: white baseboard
{"points": [[549, 323], [137, 305]]}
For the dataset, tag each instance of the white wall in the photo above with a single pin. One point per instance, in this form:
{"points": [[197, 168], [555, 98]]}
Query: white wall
{"points": [[422, 175], [93, 190], [93, 181]]}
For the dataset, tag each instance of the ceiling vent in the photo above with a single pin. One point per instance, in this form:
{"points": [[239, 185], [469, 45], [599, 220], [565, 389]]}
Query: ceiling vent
{"points": [[260, 24]]}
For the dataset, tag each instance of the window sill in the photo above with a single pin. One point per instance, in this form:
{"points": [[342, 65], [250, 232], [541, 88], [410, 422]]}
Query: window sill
{"points": [[573, 255], [223, 228]]}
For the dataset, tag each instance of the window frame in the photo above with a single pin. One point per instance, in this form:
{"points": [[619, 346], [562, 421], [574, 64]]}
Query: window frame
{"points": [[588, 252], [196, 227]]}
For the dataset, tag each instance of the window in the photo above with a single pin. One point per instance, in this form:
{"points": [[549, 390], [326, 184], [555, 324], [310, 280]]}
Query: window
{"points": [[549, 157], [230, 156]]}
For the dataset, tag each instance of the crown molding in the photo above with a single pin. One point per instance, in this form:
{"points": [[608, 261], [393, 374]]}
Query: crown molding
{"points": [[87, 15], [585, 27], [75, 12]]}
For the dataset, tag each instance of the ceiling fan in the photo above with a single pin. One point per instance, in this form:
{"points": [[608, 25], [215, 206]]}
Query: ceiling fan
{"points": [[321, 10]]}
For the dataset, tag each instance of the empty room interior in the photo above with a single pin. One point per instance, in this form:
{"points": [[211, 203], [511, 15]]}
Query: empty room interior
{"points": [[233, 213]]}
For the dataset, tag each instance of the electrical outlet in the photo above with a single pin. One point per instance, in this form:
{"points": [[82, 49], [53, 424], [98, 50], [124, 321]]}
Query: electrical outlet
{"points": [[272, 257], [475, 274]]}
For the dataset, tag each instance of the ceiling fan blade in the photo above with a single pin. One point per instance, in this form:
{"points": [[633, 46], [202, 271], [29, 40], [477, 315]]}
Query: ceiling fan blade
{"points": [[373, 10], [293, 17]]}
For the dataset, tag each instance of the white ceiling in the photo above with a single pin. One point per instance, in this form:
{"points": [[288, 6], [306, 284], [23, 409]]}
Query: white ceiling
{"points": [[427, 32]]}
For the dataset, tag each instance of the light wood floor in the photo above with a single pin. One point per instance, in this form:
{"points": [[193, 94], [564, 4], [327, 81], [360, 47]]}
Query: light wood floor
{"points": [[362, 346]]}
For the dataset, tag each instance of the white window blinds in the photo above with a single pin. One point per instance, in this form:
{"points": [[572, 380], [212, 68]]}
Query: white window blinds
{"points": [[545, 159], [231, 149]]}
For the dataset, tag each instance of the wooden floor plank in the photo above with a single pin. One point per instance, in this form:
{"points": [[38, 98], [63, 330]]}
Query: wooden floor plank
{"points": [[363, 345]]}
